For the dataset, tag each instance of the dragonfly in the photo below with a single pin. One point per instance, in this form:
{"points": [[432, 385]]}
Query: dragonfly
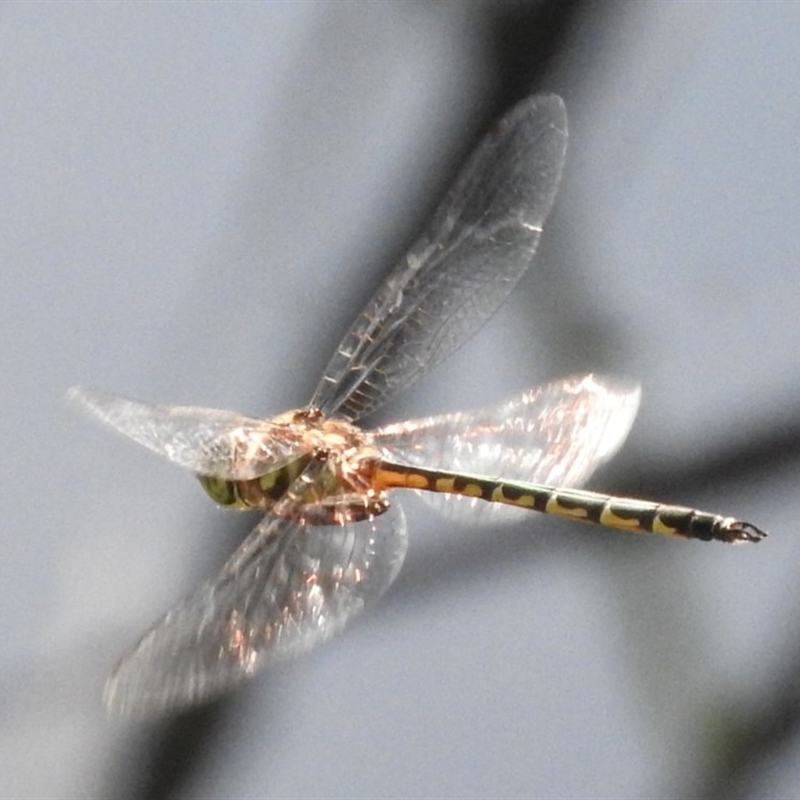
{"points": [[333, 537]]}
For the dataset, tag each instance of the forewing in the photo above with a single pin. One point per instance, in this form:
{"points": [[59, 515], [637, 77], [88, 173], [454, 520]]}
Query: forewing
{"points": [[557, 435], [286, 589], [205, 440], [480, 241]]}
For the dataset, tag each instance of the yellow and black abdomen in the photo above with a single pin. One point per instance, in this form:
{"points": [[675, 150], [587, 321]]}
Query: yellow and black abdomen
{"points": [[639, 516]]}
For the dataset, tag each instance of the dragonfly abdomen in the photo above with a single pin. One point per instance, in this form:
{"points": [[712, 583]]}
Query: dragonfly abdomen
{"points": [[644, 516], [638, 516]]}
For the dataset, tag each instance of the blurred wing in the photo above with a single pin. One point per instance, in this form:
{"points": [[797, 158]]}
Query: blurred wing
{"points": [[479, 243], [204, 440], [557, 434], [286, 589]]}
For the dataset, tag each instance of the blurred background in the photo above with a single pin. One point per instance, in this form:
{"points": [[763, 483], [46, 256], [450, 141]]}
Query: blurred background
{"points": [[196, 201]]}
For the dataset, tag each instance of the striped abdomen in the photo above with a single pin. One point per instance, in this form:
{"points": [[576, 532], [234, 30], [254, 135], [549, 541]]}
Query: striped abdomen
{"points": [[641, 516]]}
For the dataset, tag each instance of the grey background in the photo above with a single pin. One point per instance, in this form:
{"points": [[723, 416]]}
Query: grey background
{"points": [[195, 201]]}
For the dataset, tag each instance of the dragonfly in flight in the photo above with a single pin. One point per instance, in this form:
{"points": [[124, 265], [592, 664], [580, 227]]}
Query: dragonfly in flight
{"points": [[333, 537]]}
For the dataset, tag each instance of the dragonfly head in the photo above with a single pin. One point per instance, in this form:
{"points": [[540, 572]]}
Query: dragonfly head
{"points": [[222, 492]]}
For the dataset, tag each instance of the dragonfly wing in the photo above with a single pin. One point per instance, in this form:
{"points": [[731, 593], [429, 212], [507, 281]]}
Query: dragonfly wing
{"points": [[205, 440], [479, 243], [557, 434], [286, 589]]}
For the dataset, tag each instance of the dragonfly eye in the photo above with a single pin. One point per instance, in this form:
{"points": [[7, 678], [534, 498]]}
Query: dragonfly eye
{"points": [[221, 491]]}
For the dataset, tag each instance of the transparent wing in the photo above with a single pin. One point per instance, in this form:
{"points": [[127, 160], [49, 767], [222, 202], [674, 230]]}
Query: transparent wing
{"points": [[286, 589], [204, 440], [480, 241], [557, 434]]}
